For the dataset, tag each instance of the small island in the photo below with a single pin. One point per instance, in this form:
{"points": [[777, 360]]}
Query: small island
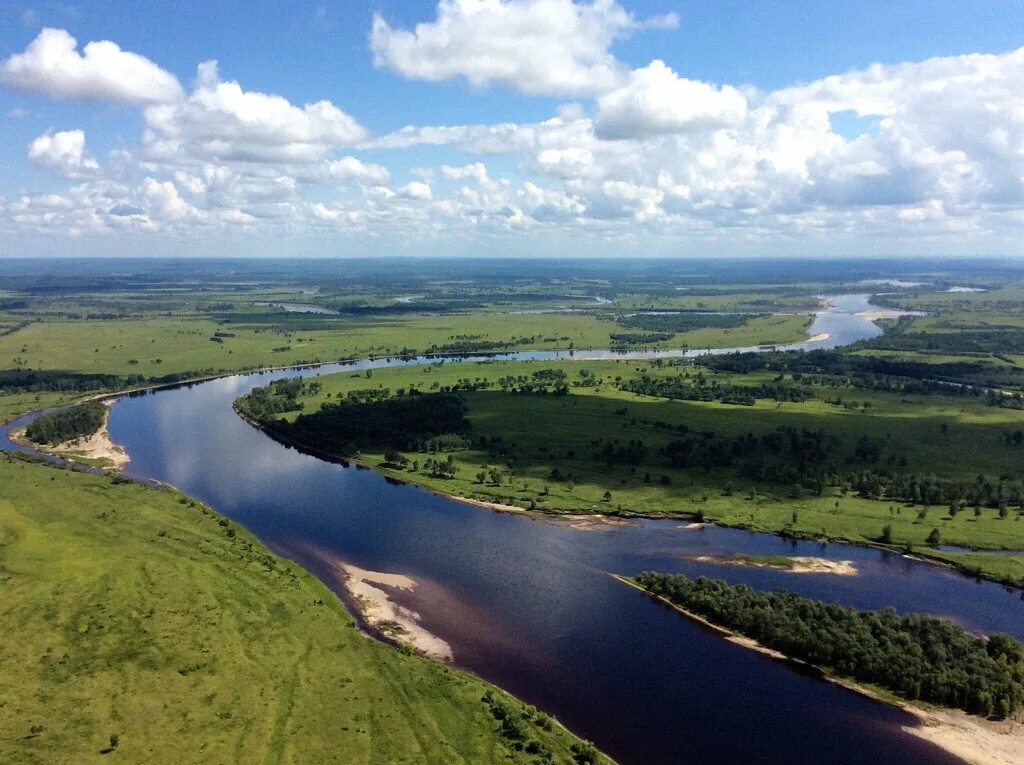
{"points": [[76, 433]]}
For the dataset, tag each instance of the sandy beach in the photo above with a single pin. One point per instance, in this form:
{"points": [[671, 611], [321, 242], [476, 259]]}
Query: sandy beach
{"points": [[800, 564]]}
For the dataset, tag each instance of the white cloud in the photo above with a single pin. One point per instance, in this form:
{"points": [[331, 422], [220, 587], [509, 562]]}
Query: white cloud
{"points": [[221, 121], [652, 156], [63, 152], [535, 46], [656, 100], [52, 65], [350, 169], [417, 190]]}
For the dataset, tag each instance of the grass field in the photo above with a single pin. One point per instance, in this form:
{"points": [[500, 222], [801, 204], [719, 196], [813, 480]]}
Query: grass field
{"points": [[947, 436], [140, 624], [13, 405], [164, 345]]}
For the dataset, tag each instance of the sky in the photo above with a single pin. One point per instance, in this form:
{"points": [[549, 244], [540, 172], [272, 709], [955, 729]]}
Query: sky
{"points": [[512, 127]]}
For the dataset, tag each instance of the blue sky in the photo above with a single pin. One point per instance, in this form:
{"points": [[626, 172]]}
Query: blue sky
{"points": [[681, 128]]}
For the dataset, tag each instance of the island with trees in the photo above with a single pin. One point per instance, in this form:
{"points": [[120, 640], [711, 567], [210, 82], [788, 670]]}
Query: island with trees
{"points": [[917, 657]]}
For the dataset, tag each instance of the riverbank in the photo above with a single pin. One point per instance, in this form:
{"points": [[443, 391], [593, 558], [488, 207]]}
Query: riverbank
{"points": [[977, 740]]}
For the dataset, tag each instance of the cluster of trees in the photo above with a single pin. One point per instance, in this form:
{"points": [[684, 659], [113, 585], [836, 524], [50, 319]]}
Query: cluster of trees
{"points": [[441, 468], [619, 339], [805, 452], [685, 388], [932, 490], [541, 381], [410, 423], [516, 729], [458, 347], [868, 372], [264, 404], [918, 657], [962, 338], [684, 321], [67, 424], [614, 453]]}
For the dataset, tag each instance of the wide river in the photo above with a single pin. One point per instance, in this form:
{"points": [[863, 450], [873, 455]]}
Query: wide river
{"points": [[527, 603]]}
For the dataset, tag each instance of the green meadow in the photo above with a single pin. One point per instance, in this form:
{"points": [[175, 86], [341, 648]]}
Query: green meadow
{"points": [[140, 625], [948, 436], [154, 346]]}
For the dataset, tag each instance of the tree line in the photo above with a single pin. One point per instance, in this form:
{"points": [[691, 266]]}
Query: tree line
{"points": [[684, 321], [684, 388], [919, 657], [412, 423]]}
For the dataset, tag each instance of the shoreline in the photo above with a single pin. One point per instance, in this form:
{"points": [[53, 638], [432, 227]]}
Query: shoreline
{"points": [[975, 740]]}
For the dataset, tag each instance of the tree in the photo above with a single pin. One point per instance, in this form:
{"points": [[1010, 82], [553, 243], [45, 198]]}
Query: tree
{"points": [[934, 537], [607, 496], [886, 537]]}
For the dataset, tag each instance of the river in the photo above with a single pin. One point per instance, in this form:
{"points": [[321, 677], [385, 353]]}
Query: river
{"points": [[527, 602]]}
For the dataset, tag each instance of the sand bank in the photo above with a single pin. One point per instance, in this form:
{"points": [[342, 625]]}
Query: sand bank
{"points": [[794, 565], [975, 740], [595, 522], [382, 613], [881, 313], [820, 337]]}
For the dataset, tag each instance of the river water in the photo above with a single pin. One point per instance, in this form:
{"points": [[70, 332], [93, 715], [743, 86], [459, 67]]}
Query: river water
{"points": [[528, 604]]}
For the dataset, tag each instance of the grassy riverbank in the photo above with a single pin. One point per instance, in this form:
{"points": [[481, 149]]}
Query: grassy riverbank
{"points": [[139, 621], [538, 434]]}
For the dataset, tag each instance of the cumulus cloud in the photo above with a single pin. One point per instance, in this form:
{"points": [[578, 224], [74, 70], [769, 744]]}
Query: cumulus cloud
{"points": [[352, 170], [656, 100], [221, 121], [51, 64], [535, 46], [63, 152], [417, 190], [938, 151]]}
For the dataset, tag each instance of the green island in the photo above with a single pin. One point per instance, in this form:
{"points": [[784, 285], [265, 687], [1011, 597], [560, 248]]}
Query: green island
{"points": [[917, 657], [67, 424], [200, 644]]}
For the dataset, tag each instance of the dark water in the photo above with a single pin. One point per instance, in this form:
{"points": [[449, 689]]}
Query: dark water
{"points": [[528, 603]]}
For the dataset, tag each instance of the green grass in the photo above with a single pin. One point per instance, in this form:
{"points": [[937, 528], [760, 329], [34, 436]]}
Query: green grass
{"points": [[141, 614], [163, 345], [772, 561], [560, 431], [13, 405]]}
